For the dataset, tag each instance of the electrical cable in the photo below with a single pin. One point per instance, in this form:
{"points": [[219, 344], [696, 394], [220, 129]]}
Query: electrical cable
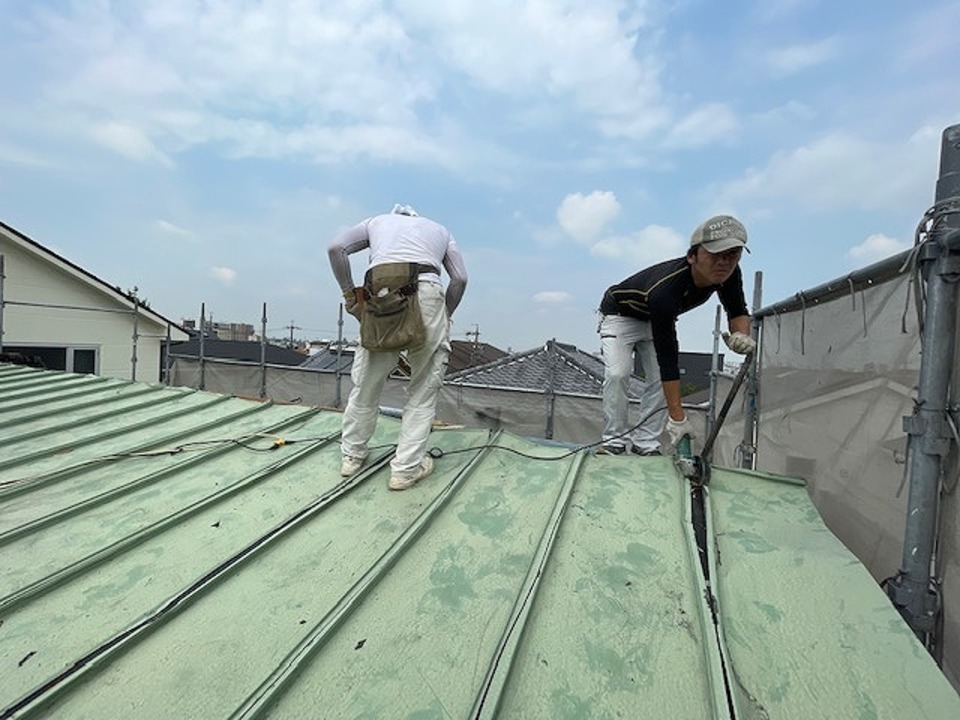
{"points": [[243, 441], [437, 453], [279, 441]]}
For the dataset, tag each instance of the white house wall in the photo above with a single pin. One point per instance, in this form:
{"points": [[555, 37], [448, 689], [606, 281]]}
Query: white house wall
{"points": [[30, 279]]}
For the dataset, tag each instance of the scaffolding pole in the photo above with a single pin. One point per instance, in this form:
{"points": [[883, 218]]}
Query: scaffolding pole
{"points": [[715, 370], [915, 589], [2, 302], [263, 353], [752, 388], [550, 390]]}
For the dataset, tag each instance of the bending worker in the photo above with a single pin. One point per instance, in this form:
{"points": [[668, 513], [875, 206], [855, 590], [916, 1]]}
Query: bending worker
{"points": [[399, 242], [640, 315]]}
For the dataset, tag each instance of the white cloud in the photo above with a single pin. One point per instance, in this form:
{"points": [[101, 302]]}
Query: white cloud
{"points": [[931, 36], [875, 248], [797, 58], [552, 297], [651, 244], [131, 142], [343, 79], [584, 217], [12, 155], [168, 228], [223, 274], [839, 171], [594, 55], [706, 125], [771, 10]]}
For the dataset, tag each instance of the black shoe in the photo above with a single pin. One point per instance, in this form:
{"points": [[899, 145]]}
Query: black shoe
{"points": [[645, 451], [611, 450]]}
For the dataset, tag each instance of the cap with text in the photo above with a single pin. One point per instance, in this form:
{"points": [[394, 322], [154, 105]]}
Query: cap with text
{"points": [[720, 233]]}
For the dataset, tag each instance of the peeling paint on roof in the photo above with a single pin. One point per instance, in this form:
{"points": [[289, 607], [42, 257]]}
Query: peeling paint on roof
{"points": [[173, 553]]}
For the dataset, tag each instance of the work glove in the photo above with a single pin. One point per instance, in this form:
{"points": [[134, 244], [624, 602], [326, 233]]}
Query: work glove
{"points": [[353, 302], [740, 343], [675, 430]]}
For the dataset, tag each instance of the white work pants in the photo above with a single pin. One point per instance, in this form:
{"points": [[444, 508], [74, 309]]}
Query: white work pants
{"points": [[620, 338], [428, 365]]}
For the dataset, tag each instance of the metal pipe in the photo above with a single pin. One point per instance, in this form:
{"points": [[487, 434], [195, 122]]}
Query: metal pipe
{"points": [[714, 371], [737, 382], [752, 389], [551, 387], [869, 276], [263, 352], [136, 336], [339, 371], [2, 302], [166, 358], [203, 331], [913, 591]]}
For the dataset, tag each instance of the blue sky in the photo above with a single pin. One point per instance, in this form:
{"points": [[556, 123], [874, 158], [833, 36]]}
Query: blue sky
{"points": [[207, 152]]}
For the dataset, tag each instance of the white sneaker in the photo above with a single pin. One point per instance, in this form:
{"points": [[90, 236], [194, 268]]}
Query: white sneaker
{"points": [[350, 465], [402, 482]]}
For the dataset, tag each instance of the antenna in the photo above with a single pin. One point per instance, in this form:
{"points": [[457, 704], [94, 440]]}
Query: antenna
{"points": [[475, 350], [475, 334]]}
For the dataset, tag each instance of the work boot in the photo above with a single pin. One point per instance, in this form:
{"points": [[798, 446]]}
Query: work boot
{"points": [[611, 450], [408, 480], [350, 465]]}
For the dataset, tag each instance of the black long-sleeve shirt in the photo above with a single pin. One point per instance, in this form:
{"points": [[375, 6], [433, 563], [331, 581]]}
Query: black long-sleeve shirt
{"points": [[660, 294]]}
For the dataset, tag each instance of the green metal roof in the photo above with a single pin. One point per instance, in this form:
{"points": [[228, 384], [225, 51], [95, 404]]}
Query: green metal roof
{"points": [[166, 552]]}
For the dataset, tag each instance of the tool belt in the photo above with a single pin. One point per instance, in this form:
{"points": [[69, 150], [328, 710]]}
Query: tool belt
{"points": [[391, 318]]}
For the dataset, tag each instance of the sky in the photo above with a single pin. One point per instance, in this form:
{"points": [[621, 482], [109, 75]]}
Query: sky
{"points": [[206, 152]]}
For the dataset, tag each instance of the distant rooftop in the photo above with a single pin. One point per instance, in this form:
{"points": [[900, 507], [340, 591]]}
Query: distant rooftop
{"points": [[569, 369]]}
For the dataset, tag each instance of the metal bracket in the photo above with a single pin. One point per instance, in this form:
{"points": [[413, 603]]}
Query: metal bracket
{"points": [[931, 433], [926, 620], [950, 239]]}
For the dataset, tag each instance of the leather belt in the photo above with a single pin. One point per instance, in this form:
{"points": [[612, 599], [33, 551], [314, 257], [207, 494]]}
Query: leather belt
{"points": [[423, 269]]}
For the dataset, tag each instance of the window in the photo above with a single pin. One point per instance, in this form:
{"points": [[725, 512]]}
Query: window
{"points": [[85, 361], [71, 359]]}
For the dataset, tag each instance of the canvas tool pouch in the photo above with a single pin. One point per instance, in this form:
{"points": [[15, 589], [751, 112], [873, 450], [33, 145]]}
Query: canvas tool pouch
{"points": [[391, 317]]}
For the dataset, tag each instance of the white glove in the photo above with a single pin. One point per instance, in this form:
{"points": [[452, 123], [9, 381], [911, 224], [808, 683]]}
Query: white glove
{"points": [[740, 343], [675, 430]]}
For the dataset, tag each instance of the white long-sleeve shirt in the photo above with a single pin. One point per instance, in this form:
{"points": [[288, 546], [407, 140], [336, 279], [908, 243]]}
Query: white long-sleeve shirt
{"points": [[394, 237]]}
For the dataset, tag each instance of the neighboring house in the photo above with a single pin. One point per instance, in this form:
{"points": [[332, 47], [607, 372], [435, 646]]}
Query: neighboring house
{"points": [[551, 391], [560, 366], [695, 371], [242, 350], [56, 312], [571, 370], [467, 354], [463, 355], [331, 359]]}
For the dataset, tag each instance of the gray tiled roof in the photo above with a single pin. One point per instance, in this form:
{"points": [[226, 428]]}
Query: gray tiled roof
{"points": [[572, 371], [243, 350], [463, 354], [329, 359]]}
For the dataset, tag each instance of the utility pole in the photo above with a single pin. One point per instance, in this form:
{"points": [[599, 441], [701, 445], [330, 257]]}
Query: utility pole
{"points": [[291, 327]]}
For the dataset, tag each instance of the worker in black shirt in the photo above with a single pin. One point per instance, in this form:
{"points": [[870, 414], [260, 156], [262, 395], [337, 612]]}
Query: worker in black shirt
{"points": [[640, 315]]}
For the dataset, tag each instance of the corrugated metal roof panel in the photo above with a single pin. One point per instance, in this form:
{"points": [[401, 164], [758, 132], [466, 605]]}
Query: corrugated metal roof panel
{"points": [[173, 553]]}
